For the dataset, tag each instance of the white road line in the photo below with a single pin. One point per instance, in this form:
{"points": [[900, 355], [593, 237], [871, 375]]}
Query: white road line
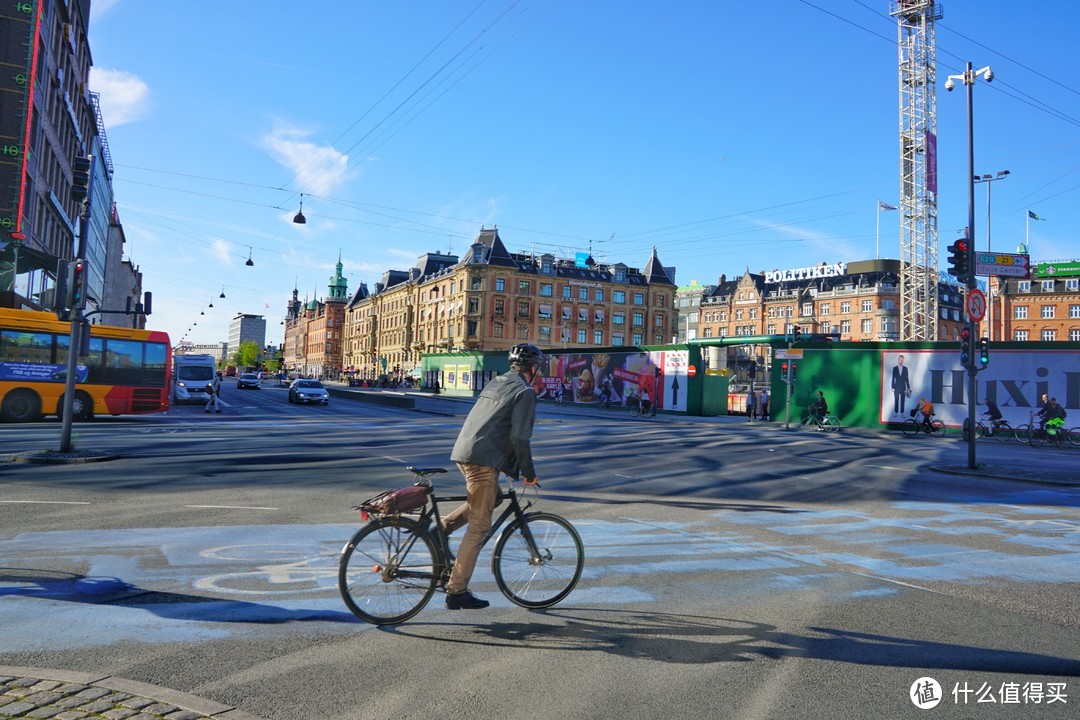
{"points": [[43, 502], [230, 507]]}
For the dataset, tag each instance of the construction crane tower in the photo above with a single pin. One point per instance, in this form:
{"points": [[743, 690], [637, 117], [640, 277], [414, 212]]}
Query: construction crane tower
{"points": [[918, 168]]}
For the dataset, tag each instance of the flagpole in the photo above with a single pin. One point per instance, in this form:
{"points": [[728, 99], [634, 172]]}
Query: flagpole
{"points": [[877, 235]]}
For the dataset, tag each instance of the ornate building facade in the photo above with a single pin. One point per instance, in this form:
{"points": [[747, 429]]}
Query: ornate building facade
{"points": [[491, 298], [314, 332], [1045, 307]]}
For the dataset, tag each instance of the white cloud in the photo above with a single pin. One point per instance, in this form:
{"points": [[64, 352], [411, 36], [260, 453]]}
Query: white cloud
{"points": [[319, 170], [124, 97]]}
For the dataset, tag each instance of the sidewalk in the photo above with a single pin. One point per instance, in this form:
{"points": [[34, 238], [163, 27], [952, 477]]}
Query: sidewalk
{"points": [[63, 695]]}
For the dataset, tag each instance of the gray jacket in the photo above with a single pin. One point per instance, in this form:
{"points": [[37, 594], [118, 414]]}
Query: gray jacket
{"points": [[497, 431]]}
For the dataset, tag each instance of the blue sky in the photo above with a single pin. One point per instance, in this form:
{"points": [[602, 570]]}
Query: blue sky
{"points": [[728, 135]]}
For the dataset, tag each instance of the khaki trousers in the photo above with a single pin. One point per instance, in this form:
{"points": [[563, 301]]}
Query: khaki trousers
{"points": [[481, 488]]}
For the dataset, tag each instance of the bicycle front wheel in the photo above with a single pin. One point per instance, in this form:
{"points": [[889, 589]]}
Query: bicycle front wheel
{"points": [[538, 560], [937, 428], [1074, 436], [387, 571], [1023, 433], [1037, 438], [1003, 432]]}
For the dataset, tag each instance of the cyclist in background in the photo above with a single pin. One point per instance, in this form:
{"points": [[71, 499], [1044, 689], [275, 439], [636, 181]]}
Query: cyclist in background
{"points": [[927, 409], [819, 409], [495, 438]]}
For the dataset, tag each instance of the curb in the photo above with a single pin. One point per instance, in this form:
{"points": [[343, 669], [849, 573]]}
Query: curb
{"points": [[55, 457], [40, 688]]}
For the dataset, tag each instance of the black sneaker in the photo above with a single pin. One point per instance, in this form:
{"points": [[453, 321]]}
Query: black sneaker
{"points": [[465, 601]]}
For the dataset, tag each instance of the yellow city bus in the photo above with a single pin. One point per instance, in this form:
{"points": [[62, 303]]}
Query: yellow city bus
{"points": [[126, 370]]}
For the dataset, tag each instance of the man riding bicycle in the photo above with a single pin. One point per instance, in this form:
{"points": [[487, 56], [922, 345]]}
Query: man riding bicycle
{"points": [[495, 438], [927, 409]]}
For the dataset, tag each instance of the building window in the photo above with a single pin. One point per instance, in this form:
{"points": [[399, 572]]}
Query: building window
{"points": [[1074, 311], [545, 312], [1021, 335], [1049, 335], [500, 284], [770, 329], [474, 305], [524, 287], [867, 305], [707, 332], [497, 330], [639, 298], [658, 321], [477, 283], [472, 328], [639, 318], [738, 314], [452, 286], [619, 296], [888, 304], [1048, 312], [1074, 335], [566, 334], [824, 309], [523, 308], [620, 276], [845, 308], [867, 326], [1072, 284], [637, 338], [583, 293], [1020, 312], [545, 333], [598, 337], [1023, 286], [581, 336], [546, 289], [500, 307], [618, 339], [599, 295], [772, 312], [723, 316], [1048, 286], [845, 327], [566, 291], [618, 318]]}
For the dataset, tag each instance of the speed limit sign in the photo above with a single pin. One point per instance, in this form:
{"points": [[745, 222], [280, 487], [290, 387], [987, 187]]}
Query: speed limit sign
{"points": [[976, 304]]}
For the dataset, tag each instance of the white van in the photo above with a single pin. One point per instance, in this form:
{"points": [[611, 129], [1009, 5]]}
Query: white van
{"points": [[191, 375]]}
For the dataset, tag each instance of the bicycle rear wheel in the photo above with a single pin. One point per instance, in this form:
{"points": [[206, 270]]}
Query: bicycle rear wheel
{"points": [[911, 427], [832, 423], [808, 423], [1038, 437], [387, 571], [542, 578]]}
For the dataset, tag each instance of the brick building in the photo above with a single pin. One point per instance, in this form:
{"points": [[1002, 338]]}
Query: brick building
{"points": [[492, 298], [1044, 307]]}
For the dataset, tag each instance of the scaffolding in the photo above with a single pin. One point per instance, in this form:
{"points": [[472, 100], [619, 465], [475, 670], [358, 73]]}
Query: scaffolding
{"points": [[918, 168]]}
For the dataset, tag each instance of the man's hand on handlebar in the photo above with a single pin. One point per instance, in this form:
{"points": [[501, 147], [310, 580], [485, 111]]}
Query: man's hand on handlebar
{"points": [[533, 481]]}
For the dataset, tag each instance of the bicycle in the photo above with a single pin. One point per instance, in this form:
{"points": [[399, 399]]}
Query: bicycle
{"points": [[829, 423], [913, 427], [392, 566], [1000, 430], [1057, 436]]}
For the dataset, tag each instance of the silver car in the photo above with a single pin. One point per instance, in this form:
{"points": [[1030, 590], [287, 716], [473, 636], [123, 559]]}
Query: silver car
{"points": [[308, 391], [248, 380]]}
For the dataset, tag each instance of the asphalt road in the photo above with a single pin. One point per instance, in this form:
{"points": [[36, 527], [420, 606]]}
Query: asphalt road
{"points": [[732, 571]]}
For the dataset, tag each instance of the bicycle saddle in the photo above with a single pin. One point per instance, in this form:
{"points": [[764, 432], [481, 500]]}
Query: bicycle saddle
{"points": [[424, 472]]}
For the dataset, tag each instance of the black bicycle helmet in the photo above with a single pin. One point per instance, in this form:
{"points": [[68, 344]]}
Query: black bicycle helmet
{"points": [[526, 354]]}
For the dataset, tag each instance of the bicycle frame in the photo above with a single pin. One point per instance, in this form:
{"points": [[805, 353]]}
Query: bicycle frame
{"points": [[430, 521]]}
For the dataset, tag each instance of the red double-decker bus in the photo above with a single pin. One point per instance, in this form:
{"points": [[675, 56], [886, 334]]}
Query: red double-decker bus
{"points": [[126, 370]]}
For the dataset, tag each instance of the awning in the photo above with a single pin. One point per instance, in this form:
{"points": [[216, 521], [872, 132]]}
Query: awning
{"points": [[29, 258]]}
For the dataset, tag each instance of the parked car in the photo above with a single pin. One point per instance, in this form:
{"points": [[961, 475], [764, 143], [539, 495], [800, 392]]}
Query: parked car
{"points": [[248, 380], [308, 391]]}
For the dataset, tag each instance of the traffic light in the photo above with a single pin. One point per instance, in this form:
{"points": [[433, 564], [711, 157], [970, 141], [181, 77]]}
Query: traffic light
{"points": [[965, 347], [752, 371], [794, 372], [80, 178], [60, 291], [76, 289], [958, 261], [783, 371], [796, 334], [984, 351]]}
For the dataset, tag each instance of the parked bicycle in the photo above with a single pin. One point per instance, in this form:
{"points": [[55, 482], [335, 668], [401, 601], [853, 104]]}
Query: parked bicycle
{"points": [[392, 566], [913, 427], [829, 423]]}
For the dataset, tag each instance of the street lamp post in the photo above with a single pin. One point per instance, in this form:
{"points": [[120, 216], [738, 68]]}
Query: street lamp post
{"points": [[968, 78], [987, 178]]}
